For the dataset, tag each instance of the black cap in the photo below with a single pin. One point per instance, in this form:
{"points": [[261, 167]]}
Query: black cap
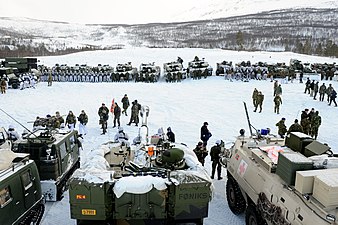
{"points": [[206, 123]]}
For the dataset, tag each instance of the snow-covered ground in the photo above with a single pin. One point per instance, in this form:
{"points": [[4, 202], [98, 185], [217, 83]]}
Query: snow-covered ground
{"points": [[182, 106]]}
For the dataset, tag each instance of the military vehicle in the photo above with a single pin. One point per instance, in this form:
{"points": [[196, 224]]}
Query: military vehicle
{"points": [[22, 64], [21, 200], [222, 67], [148, 72], [12, 79], [5, 143], [125, 71], [198, 68], [277, 181], [173, 71], [150, 182], [56, 154]]}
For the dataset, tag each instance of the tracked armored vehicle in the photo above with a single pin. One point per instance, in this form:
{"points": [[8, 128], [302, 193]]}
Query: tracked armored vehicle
{"points": [[21, 200], [223, 67], [277, 181], [56, 154], [148, 72], [125, 71], [199, 68], [173, 71], [152, 182]]}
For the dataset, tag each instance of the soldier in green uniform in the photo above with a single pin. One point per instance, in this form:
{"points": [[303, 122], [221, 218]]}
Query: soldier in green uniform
{"points": [[305, 121], [254, 96], [104, 116], [70, 120], [200, 152], [281, 127], [295, 127], [125, 104], [215, 157], [259, 102], [322, 91], [315, 123], [278, 101]]}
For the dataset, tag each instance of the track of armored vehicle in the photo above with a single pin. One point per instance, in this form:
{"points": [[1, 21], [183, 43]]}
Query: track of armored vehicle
{"points": [[282, 182], [150, 182], [21, 199], [199, 68]]}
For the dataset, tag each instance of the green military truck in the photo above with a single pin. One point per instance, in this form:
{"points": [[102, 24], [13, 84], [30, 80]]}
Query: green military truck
{"points": [[22, 64], [21, 199], [56, 154]]}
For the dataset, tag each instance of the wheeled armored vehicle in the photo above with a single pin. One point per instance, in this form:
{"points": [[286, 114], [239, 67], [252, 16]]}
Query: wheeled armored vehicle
{"points": [[21, 199], [150, 182], [173, 71], [198, 68], [277, 181], [148, 72], [56, 154]]}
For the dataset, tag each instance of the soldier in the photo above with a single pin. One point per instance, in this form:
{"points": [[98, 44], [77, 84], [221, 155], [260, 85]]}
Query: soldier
{"points": [[312, 87], [281, 127], [315, 123], [315, 90], [50, 78], [135, 109], [296, 127], [328, 92], [279, 90], [322, 91], [3, 86], [205, 134], [117, 115], [215, 152], [260, 99], [307, 86], [254, 97], [305, 121], [60, 123], [170, 135], [104, 116], [278, 101], [200, 152], [12, 133], [275, 85], [125, 104], [122, 137], [83, 119], [71, 120], [333, 97]]}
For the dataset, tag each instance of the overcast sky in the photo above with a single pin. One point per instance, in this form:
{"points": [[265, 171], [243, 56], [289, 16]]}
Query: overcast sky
{"points": [[99, 11]]}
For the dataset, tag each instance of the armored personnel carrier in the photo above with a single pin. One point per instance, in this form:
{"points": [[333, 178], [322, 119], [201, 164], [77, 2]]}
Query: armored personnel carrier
{"points": [[173, 71], [149, 72], [151, 182], [56, 154], [125, 71], [277, 181], [198, 68], [21, 200]]}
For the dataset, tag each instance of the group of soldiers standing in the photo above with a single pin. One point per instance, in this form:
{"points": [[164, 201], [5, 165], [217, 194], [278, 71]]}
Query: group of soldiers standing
{"points": [[312, 88]]}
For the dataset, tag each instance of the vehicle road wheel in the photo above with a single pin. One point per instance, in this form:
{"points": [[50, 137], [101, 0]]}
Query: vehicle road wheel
{"points": [[235, 198], [252, 217], [15, 86]]}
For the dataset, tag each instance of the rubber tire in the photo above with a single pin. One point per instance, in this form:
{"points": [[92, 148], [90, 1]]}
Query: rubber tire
{"points": [[15, 85], [252, 217], [236, 201]]}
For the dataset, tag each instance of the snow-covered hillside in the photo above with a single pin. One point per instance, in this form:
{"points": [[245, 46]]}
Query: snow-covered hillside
{"points": [[182, 106]]}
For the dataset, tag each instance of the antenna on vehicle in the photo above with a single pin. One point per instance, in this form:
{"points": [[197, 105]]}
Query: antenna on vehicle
{"points": [[248, 119], [17, 122]]}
